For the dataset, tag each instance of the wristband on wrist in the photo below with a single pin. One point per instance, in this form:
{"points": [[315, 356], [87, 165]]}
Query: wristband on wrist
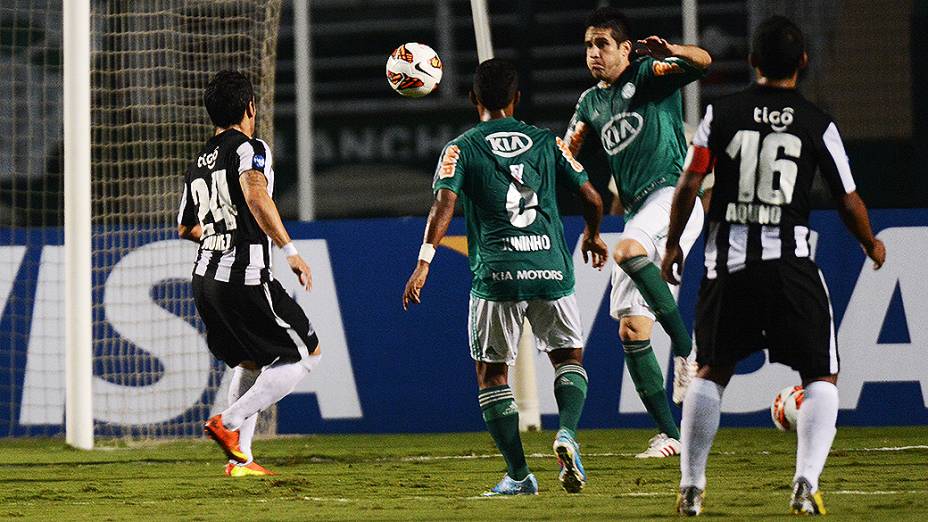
{"points": [[426, 252], [290, 250]]}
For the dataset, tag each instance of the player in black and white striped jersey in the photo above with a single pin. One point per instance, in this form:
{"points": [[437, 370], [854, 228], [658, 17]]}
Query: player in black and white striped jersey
{"points": [[761, 288], [252, 324], [768, 142]]}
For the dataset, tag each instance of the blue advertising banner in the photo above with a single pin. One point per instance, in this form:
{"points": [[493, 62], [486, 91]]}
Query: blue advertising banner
{"points": [[386, 370]]}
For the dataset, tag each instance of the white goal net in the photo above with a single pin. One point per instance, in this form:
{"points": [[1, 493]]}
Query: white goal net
{"points": [[150, 61]]}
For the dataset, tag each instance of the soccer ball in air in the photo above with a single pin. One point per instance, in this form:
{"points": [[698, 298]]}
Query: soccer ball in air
{"points": [[413, 70], [785, 408]]}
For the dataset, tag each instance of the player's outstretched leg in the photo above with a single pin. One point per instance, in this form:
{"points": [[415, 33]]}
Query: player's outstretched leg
{"points": [[274, 383], [570, 386], [701, 411], [647, 277], [815, 430], [502, 418], [242, 380], [649, 383]]}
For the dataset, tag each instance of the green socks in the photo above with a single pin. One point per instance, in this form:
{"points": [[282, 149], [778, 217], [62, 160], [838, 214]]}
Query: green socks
{"points": [[649, 383], [570, 384], [647, 277], [502, 417]]}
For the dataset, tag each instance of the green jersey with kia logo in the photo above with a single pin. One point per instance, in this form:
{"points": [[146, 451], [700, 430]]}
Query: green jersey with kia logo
{"points": [[506, 172], [639, 122]]}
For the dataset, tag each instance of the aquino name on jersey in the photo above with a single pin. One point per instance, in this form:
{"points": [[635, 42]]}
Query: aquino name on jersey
{"points": [[767, 145]]}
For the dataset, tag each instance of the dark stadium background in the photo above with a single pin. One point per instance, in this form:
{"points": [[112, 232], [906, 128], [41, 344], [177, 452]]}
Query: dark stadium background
{"points": [[375, 151]]}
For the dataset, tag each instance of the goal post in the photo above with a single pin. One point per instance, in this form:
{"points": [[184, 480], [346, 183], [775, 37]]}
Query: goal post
{"points": [[77, 233], [99, 335], [690, 14], [523, 373]]}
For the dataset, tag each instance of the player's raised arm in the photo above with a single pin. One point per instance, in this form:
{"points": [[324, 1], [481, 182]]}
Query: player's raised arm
{"points": [[673, 66], [660, 49], [263, 208]]}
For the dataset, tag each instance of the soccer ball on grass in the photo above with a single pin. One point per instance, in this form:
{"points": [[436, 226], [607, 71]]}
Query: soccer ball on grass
{"points": [[413, 70], [785, 408]]}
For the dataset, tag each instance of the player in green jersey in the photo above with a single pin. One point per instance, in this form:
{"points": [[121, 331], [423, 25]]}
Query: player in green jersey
{"points": [[636, 110], [505, 171]]}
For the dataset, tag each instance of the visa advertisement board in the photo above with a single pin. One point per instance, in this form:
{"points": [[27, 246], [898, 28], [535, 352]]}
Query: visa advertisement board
{"points": [[386, 370]]}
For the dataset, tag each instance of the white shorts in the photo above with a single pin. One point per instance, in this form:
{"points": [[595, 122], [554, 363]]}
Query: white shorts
{"points": [[494, 327], [649, 228]]}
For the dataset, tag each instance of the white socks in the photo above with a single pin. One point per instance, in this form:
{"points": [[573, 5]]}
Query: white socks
{"points": [[701, 411], [275, 382], [242, 380], [815, 428]]}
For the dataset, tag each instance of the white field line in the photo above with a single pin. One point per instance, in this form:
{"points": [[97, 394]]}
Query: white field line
{"points": [[671, 494], [430, 458], [893, 448], [870, 493]]}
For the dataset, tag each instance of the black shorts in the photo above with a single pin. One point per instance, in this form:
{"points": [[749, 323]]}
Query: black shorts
{"points": [[259, 323], [779, 305]]}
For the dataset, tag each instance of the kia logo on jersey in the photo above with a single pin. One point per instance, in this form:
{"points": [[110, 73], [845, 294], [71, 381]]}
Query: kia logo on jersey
{"points": [[509, 144], [621, 130]]}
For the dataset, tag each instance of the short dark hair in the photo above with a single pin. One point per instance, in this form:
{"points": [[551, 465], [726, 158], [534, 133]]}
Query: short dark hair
{"points": [[777, 48], [611, 18], [227, 97], [496, 82]]}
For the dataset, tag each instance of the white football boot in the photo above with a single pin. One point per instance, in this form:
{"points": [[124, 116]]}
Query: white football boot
{"points": [[660, 446]]}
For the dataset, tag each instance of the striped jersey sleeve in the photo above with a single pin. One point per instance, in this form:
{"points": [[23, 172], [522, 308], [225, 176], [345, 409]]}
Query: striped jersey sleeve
{"points": [[833, 162]]}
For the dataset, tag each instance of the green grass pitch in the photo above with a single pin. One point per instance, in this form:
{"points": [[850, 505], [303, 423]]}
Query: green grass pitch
{"points": [[872, 474]]}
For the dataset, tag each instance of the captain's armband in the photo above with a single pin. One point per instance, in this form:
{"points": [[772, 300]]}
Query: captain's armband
{"points": [[699, 160]]}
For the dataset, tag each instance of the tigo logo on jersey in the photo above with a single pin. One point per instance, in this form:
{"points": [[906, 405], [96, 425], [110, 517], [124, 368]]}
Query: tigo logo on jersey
{"points": [[509, 144], [620, 131], [208, 160], [258, 161], [778, 120]]}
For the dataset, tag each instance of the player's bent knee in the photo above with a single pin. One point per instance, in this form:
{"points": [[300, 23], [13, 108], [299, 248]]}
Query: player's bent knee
{"points": [[492, 374], [627, 249], [566, 356], [717, 374], [833, 379], [635, 328]]}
